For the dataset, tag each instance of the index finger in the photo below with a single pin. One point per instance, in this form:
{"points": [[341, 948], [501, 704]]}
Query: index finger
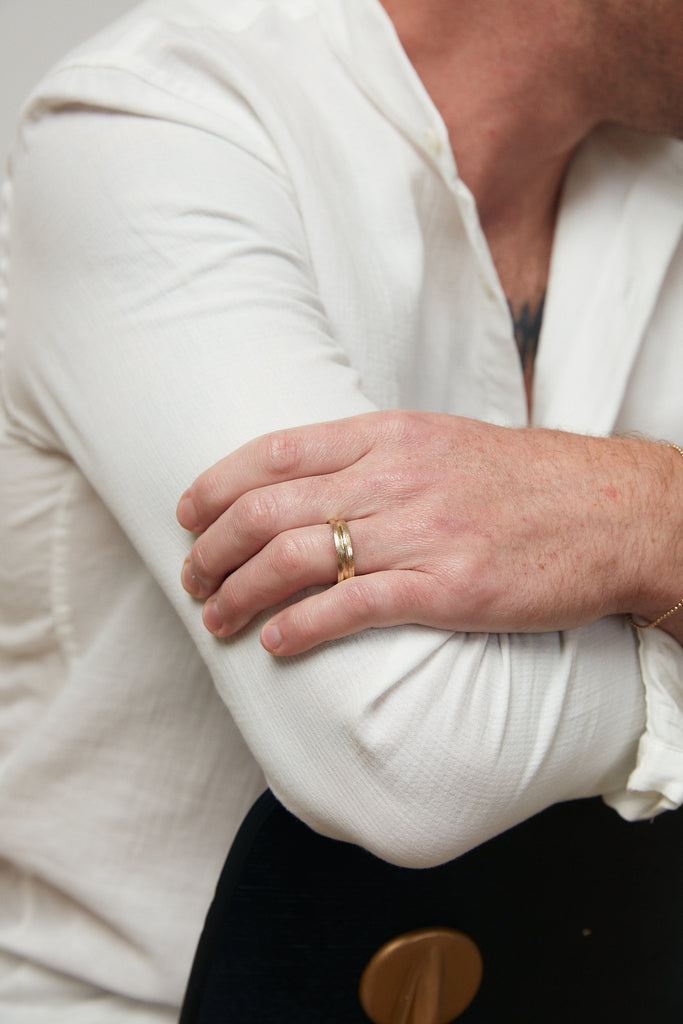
{"points": [[289, 454]]}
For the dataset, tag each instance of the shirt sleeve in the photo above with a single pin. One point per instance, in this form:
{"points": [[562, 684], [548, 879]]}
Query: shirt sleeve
{"points": [[158, 320], [656, 782]]}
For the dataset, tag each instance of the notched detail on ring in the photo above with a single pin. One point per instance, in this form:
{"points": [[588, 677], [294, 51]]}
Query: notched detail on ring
{"points": [[343, 548]]}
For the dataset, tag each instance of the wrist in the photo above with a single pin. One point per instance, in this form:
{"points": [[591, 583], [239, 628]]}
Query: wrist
{"points": [[657, 598]]}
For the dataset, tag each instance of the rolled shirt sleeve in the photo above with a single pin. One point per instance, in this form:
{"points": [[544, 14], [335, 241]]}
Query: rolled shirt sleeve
{"points": [[656, 782], [164, 307]]}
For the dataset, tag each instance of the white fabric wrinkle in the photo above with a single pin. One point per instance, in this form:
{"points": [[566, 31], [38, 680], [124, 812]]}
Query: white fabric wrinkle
{"points": [[146, 382], [656, 771], [63, 521]]}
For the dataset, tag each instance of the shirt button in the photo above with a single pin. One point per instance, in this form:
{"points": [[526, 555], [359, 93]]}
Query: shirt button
{"points": [[432, 140], [487, 287]]}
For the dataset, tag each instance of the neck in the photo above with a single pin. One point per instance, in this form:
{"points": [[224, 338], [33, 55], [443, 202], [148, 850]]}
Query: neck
{"points": [[507, 81], [519, 85]]}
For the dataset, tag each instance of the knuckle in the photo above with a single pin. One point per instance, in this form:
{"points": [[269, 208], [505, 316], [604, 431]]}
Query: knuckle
{"points": [[409, 434], [390, 425], [257, 514], [283, 452], [286, 556], [395, 479], [407, 424], [469, 573], [227, 600], [201, 560], [207, 491]]}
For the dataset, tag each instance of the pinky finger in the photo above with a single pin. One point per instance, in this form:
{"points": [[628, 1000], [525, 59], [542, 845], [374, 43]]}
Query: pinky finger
{"points": [[364, 602]]}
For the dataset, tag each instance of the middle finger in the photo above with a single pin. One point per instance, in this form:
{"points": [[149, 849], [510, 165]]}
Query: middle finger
{"points": [[291, 562], [259, 516]]}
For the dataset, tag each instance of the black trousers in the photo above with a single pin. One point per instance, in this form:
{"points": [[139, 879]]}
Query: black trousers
{"points": [[578, 916]]}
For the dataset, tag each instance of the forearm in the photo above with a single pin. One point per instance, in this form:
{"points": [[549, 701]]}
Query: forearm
{"points": [[419, 745], [458, 524], [657, 580], [416, 742]]}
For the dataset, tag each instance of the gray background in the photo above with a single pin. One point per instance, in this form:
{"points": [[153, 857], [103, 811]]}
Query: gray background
{"points": [[33, 34]]}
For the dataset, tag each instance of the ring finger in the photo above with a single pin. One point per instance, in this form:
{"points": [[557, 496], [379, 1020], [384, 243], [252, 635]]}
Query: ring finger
{"points": [[292, 561]]}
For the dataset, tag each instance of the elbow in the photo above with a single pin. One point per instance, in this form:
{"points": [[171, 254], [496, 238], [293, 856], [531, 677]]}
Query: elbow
{"points": [[400, 832], [396, 759], [409, 812]]}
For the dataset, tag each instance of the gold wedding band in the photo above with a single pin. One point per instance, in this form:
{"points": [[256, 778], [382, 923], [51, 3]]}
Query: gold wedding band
{"points": [[344, 549]]}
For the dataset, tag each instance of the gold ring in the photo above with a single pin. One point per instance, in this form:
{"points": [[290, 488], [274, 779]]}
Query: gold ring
{"points": [[344, 549]]}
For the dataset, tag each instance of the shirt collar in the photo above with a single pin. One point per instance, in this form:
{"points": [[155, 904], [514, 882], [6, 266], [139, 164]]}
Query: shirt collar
{"points": [[364, 38], [619, 227]]}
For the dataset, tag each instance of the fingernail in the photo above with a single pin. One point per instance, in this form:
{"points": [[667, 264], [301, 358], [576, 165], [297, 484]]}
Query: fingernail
{"points": [[271, 637], [189, 578], [212, 617], [186, 513]]}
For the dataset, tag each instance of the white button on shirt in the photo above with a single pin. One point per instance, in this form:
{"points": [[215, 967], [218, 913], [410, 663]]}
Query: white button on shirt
{"points": [[220, 220]]}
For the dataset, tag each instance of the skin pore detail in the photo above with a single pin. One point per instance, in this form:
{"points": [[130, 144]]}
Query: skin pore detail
{"points": [[514, 125], [527, 318], [486, 66]]}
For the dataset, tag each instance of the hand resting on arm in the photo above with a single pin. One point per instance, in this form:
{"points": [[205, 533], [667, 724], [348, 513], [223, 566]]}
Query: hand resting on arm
{"points": [[414, 742], [456, 524]]}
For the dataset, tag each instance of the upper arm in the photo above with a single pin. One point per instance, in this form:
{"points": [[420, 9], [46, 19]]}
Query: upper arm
{"points": [[162, 310]]}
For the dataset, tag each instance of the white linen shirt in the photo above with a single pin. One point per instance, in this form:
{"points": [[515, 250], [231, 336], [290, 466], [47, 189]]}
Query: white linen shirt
{"points": [[220, 219]]}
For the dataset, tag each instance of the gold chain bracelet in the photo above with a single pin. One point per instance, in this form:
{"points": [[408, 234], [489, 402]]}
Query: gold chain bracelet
{"points": [[676, 607]]}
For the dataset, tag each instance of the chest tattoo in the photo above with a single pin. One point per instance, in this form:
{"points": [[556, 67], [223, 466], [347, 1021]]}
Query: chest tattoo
{"points": [[526, 322]]}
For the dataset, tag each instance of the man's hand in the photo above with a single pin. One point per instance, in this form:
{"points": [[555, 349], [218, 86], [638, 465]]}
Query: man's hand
{"points": [[455, 523]]}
